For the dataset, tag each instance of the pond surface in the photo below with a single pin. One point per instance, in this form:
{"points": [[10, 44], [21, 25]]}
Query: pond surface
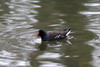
{"points": [[20, 21]]}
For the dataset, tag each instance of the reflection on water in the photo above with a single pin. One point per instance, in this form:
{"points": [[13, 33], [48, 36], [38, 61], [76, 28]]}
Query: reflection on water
{"points": [[93, 14], [44, 45], [20, 20], [16, 17], [49, 55]]}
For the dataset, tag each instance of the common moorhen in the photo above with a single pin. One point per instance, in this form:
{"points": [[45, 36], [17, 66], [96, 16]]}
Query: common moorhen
{"points": [[53, 35]]}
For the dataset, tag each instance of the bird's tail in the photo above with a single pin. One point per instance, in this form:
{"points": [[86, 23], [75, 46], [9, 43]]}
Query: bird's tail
{"points": [[68, 31]]}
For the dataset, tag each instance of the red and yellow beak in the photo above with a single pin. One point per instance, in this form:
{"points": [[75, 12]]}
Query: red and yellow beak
{"points": [[38, 34]]}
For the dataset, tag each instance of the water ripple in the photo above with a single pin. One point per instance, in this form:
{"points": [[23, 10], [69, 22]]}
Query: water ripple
{"points": [[94, 26], [51, 64], [16, 31], [49, 56], [92, 4]]}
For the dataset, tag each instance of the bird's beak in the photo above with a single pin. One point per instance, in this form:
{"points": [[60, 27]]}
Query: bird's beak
{"points": [[38, 34]]}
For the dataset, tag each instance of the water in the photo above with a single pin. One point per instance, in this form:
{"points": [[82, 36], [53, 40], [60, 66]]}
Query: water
{"points": [[21, 19], [93, 15]]}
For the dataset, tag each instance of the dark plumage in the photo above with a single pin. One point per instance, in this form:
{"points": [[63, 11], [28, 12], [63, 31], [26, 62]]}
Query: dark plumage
{"points": [[53, 35]]}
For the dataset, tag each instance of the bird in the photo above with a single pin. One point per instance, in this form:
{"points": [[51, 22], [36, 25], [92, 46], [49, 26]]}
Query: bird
{"points": [[53, 35]]}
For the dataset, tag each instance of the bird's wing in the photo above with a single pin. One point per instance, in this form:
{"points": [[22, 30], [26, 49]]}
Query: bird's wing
{"points": [[56, 33]]}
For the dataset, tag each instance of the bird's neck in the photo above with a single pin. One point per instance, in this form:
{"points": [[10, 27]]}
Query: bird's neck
{"points": [[43, 36]]}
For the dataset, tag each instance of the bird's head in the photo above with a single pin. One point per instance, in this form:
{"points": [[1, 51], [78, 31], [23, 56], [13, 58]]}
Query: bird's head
{"points": [[41, 33]]}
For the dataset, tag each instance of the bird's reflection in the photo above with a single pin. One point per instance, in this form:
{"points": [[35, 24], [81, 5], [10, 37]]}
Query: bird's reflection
{"points": [[45, 44]]}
